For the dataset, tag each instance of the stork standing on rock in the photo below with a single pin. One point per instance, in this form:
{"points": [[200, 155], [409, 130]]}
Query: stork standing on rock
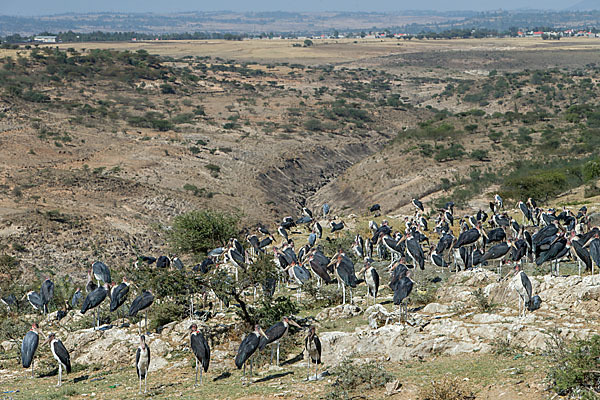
{"points": [[201, 351], [101, 272], [372, 281], [35, 300], [61, 355], [93, 300], [47, 292], [141, 303], [522, 284], [118, 295]]}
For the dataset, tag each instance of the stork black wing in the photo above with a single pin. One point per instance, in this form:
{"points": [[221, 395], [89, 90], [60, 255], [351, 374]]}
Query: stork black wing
{"points": [[246, 349], [201, 349], [63, 355], [526, 284], [375, 276], [140, 303], [119, 296], [318, 346], [28, 348]]}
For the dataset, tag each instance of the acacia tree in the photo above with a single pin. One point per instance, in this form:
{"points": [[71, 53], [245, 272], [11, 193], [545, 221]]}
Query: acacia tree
{"points": [[197, 232]]}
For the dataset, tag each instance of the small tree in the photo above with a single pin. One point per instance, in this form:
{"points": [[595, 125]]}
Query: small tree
{"points": [[197, 232]]}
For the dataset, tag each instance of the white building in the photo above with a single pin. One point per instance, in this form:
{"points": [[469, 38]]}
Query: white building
{"points": [[45, 39]]}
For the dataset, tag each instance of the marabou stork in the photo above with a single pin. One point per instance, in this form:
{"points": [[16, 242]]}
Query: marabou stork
{"points": [[498, 201], [312, 344], [264, 230], [9, 300], [265, 242], [467, 238], [93, 300], [522, 285], [60, 354], [336, 226], [35, 300], [344, 272], [201, 351], [326, 209], [418, 205], [515, 227], [248, 346], [177, 263], [47, 292], [299, 274], [29, 346], [493, 236], [77, 296], [415, 251], [402, 288], [437, 259], [557, 249], [90, 286], [579, 253], [282, 232], [497, 252], [318, 229], [359, 246], [594, 245], [101, 272], [312, 239], [372, 281], [306, 211], [141, 303], [391, 244], [163, 262], [319, 267], [142, 363], [275, 333], [375, 208], [118, 295]]}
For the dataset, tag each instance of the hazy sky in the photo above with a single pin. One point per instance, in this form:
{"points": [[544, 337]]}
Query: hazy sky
{"points": [[44, 7]]}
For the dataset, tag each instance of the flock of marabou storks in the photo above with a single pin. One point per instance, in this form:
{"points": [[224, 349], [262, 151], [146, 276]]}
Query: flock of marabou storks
{"points": [[542, 237]]}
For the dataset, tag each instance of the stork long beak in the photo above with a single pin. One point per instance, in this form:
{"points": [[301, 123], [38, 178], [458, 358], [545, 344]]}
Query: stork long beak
{"points": [[263, 333], [362, 271], [24, 296], [47, 340], [294, 323]]}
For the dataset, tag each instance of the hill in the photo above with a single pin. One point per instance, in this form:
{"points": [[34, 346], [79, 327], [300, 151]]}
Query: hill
{"points": [[585, 5]]}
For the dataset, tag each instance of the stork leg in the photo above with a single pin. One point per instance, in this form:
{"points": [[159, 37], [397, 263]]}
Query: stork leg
{"points": [[146, 321], [278, 353], [244, 376], [32, 362], [316, 369], [272, 351], [140, 385], [196, 383], [201, 372], [146, 381], [344, 294], [579, 266], [59, 374], [351, 300], [251, 362], [308, 367]]}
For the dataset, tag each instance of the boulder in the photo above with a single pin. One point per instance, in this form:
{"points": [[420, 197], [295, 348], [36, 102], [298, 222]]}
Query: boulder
{"points": [[339, 312]]}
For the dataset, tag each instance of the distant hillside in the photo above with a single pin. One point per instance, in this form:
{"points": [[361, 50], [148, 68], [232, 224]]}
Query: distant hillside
{"points": [[585, 5]]}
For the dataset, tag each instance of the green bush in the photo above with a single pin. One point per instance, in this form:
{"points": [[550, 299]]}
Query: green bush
{"points": [[591, 170], [165, 88], [350, 376], [479, 155], [574, 366], [313, 124], [198, 232], [452, 152]]}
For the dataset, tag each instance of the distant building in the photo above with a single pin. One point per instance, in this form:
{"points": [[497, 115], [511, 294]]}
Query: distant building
{"points": [[45, 39]]}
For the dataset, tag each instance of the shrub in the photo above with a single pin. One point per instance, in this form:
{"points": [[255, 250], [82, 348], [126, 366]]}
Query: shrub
{"points": [[197, 232], [35, 97], [446, 389], [479, 155], [591, 170], [165, 88], [313, 124], [482, 301], [574, 366], [351, 376], [452, 152]]}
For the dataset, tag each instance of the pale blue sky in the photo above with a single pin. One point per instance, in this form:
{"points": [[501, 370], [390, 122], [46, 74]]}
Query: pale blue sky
{"points": [[45, 7]]}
